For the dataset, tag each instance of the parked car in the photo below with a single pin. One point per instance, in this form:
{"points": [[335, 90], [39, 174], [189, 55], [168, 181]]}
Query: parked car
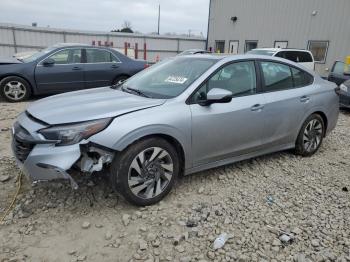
{"points": [[194, 52], [300, 56], [182, 115], [62, 68], [345, 94], [340, 72]]}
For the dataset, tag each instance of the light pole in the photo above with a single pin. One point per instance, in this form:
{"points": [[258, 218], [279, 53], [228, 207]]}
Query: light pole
{"points": [[158, 18]]}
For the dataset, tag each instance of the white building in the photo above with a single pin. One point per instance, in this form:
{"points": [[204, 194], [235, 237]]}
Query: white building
{"points": [[322, 26]]}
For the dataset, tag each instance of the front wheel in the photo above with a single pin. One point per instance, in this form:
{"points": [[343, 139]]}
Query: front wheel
{"points": [[15, 89], [310, 136], [145, 172]]}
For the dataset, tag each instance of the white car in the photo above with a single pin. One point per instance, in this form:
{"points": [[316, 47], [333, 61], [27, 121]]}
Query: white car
{"points": [[300, 56]]}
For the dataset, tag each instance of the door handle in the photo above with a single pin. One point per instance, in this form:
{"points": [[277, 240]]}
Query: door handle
{"points": [[114, 66], [257, 107], [304, 99], [76, 68]]}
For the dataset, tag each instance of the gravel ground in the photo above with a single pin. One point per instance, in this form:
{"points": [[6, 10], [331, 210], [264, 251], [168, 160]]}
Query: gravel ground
{"points": [[254, 201]]}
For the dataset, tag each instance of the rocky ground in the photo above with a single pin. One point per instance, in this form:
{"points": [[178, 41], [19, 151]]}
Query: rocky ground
{"points": [[278, 207]]}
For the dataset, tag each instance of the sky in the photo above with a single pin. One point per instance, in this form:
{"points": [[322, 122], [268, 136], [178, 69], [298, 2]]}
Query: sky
{"points": [[177, 16]]}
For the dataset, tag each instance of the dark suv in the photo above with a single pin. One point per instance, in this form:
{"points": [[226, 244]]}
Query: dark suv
{"points": [[340, 72], [62, 68]]}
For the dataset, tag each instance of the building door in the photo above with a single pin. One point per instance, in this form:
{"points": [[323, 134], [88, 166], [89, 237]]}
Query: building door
{"points": [[281, 44], [220, 46], [250, 45], [233, 47]]}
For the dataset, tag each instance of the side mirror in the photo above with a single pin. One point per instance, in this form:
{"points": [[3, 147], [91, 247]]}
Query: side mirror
{"points": [[48, 62], [217, 95]]}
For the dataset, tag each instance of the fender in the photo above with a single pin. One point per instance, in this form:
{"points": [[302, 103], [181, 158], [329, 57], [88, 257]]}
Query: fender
{"points": [[150, 130]]}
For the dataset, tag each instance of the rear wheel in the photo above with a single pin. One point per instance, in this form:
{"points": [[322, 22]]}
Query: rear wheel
{"points": [[146, 171], [310, 136], [15, 89]]}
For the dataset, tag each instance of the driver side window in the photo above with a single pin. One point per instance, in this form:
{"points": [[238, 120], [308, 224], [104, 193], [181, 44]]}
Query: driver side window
{"points": [[239, 78]]}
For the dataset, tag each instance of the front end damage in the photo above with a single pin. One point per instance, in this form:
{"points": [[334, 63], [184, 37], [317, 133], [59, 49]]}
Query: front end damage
{"points": [[41, 160]]}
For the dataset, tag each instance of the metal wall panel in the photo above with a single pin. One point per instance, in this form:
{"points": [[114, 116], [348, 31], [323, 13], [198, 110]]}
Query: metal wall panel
{"points": [[184, 45], [277, 20], [6, 51], [37, 38], [6, 36], [31, 38]]}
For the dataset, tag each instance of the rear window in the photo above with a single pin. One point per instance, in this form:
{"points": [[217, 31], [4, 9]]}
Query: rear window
{"points": [[301, 78], [99, 56], [296, 56]]}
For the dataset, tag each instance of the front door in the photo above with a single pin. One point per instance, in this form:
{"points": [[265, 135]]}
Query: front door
{"points": [[221, 131], [66, 74], [101, 67], [233, 47]]}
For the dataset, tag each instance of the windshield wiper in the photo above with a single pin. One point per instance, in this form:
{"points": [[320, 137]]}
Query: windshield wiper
{"points": [[135, 91]]}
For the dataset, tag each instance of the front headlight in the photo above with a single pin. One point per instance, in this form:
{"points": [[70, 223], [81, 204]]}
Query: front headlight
{"points": [[344, 88], [74, 133]]}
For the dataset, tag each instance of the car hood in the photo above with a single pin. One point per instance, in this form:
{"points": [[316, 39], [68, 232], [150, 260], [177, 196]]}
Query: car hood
{"points": [[9, 60], [89, 105]]}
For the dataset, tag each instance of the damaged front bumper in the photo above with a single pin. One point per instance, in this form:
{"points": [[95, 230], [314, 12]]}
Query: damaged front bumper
{"points": [[42, 160]]}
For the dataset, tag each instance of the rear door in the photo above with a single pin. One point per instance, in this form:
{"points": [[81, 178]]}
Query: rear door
{"points": [[66, 74], [287, 92], [338, 73], [101, 67]]}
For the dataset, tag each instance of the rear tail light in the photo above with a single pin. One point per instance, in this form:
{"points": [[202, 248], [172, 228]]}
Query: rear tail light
{"points": [[146, 65]]}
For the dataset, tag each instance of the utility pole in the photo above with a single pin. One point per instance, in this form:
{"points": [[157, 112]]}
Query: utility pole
{"points": [[158, 18]]}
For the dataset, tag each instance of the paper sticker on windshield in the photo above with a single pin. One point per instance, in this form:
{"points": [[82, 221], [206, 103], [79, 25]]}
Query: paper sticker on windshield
{"points": [[176, 79]]}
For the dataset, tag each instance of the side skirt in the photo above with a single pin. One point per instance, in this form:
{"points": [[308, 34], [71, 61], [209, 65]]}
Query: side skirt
{"points": [[238, 158]]}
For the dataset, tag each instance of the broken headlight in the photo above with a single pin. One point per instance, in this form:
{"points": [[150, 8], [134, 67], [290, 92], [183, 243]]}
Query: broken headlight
{"points": [[74, 133]]}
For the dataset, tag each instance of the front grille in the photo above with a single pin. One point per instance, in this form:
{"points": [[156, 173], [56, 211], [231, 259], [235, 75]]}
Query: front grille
{"points": [[21, 145], [22, 149]]}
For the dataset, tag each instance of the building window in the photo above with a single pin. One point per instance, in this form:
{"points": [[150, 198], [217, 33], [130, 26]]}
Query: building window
{"points": [[319, 50], [220, 46], [281, 44], [249, 45]]}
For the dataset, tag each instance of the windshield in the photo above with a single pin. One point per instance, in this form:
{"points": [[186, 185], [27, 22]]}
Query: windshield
{"points": [[261, 52], [168, 78], [37, 55]]}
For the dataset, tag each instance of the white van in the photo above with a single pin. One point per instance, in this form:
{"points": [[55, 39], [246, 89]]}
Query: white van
{"points": [[300, 56]]}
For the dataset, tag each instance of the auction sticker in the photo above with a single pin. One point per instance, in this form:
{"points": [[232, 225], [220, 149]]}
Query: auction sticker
{"points": [[176, 79]]}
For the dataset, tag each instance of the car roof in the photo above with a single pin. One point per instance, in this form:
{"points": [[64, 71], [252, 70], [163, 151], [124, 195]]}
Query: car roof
{"points": [[281, 49], [231, 58]]}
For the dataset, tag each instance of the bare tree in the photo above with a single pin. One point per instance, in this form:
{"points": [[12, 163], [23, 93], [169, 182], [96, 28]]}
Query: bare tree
{"points": [[126, 24]]}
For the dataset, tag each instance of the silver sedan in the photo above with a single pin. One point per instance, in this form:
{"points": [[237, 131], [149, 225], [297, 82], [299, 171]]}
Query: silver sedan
{"points": [[180, 116]]}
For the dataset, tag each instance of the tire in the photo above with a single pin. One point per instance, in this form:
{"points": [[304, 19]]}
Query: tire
{"points": [[310, 136], [140, 180], [119, 79], [15, 89]]}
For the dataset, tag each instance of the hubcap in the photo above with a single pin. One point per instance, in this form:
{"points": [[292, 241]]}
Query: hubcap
{"points": [[150, 172], [15, 90], [312, 135]]}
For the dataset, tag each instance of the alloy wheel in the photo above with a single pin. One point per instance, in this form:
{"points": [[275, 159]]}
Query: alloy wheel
{"points": [[150, 172], [312, 135], [15, 90]]}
